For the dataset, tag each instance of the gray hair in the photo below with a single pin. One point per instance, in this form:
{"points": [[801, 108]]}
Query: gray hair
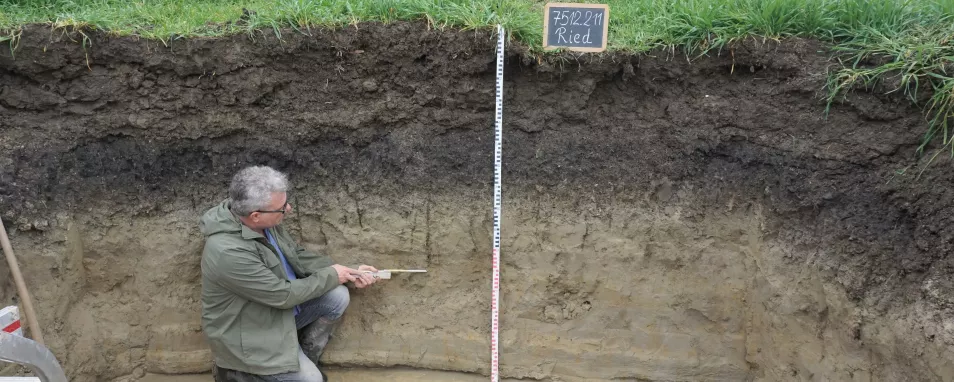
{"points": [[252, 188]]}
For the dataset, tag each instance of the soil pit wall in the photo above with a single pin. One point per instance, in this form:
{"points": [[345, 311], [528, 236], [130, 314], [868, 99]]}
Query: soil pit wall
{"points": [[663, 220]]}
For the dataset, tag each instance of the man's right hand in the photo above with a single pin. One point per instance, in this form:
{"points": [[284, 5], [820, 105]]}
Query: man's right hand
{"points": [[345, 274]]}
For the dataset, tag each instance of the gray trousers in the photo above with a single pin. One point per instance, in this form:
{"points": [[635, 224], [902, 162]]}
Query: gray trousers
{"points": [[315, 316]]}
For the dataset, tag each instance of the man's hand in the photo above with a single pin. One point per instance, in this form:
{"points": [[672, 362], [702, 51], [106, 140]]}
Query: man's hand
{"points": [[366, 279], [368, 268], [346, 274]]}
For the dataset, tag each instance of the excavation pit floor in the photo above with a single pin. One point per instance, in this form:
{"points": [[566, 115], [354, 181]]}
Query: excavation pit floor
{"points": [[342, 375]]}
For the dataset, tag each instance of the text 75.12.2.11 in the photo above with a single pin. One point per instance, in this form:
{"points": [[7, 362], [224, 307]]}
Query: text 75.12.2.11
{"points": [[576, 27]]}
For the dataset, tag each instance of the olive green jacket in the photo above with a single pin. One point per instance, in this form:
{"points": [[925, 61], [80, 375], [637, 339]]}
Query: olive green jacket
{"points": [[247, 299]]}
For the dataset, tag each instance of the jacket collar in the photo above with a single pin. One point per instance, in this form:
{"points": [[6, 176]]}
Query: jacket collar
{"points": [[248, 233]]}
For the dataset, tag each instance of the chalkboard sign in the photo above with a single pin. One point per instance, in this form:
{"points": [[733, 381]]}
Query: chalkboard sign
{"points": [[577, 27]]}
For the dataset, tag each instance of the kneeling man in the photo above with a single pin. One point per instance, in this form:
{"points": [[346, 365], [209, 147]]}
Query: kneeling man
{"points": [[269, 306]]}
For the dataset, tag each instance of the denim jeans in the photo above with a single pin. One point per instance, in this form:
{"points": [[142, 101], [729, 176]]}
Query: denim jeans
{"points": [[327, 307]]}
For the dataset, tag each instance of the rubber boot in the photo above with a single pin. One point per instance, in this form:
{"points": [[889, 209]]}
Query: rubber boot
{"points": [[314, 338], [225, 375]]}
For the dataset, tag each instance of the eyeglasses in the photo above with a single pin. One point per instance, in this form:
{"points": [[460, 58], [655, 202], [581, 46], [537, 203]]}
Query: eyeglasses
{"points": [[281, 211]]}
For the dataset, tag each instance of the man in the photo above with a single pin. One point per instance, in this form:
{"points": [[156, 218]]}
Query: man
{"points": [[269, 306]]}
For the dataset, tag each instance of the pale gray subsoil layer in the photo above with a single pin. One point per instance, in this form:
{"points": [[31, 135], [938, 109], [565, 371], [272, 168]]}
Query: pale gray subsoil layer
{"points": [[663, 220], [392, 375]]}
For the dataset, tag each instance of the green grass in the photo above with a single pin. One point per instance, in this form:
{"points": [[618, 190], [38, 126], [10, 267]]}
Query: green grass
{"points": [[165, 19], [911, 40]]}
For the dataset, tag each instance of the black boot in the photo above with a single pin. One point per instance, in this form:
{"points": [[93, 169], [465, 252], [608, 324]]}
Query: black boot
{"points": [[314, 337], [226, 375]]}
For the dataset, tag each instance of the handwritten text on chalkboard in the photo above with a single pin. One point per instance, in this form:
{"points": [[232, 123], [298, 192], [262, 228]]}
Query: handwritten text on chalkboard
{"points": [[576, 26]]}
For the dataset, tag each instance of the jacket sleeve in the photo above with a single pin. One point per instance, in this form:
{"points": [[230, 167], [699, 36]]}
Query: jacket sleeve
{"points": [[243, 273]]}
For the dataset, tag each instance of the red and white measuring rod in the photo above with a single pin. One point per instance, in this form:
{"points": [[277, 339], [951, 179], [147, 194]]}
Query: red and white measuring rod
{"points": [[498, 142]]}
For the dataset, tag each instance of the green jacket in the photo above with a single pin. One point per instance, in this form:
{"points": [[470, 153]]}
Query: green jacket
{"points": [[247, 299]]}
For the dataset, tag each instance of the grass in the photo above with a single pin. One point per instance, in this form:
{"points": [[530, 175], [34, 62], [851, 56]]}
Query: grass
{"points": [[911, 40], [166, 19]]}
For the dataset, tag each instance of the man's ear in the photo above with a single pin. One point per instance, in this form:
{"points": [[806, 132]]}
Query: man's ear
{"points": [[254, 216]]}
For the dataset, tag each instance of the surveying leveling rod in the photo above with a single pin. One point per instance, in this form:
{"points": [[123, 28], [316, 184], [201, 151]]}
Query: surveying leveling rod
{"points": [[498, 142]]}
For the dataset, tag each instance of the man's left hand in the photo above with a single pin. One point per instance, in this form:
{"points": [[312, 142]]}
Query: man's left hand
{"points": [[365, 279]]}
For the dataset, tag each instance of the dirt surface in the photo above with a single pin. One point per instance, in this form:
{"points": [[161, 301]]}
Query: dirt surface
{"points": [[663, 219], [393, 375]]}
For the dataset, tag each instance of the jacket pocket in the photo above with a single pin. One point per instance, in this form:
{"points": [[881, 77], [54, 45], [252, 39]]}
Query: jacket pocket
{"points": [[262, 338]]}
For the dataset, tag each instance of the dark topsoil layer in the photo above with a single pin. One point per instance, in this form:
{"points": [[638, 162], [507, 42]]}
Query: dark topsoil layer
{"points": [[133, 127]]}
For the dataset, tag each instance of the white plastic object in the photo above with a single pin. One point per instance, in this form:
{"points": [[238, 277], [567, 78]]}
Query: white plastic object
{"points": [[386, 273]]}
